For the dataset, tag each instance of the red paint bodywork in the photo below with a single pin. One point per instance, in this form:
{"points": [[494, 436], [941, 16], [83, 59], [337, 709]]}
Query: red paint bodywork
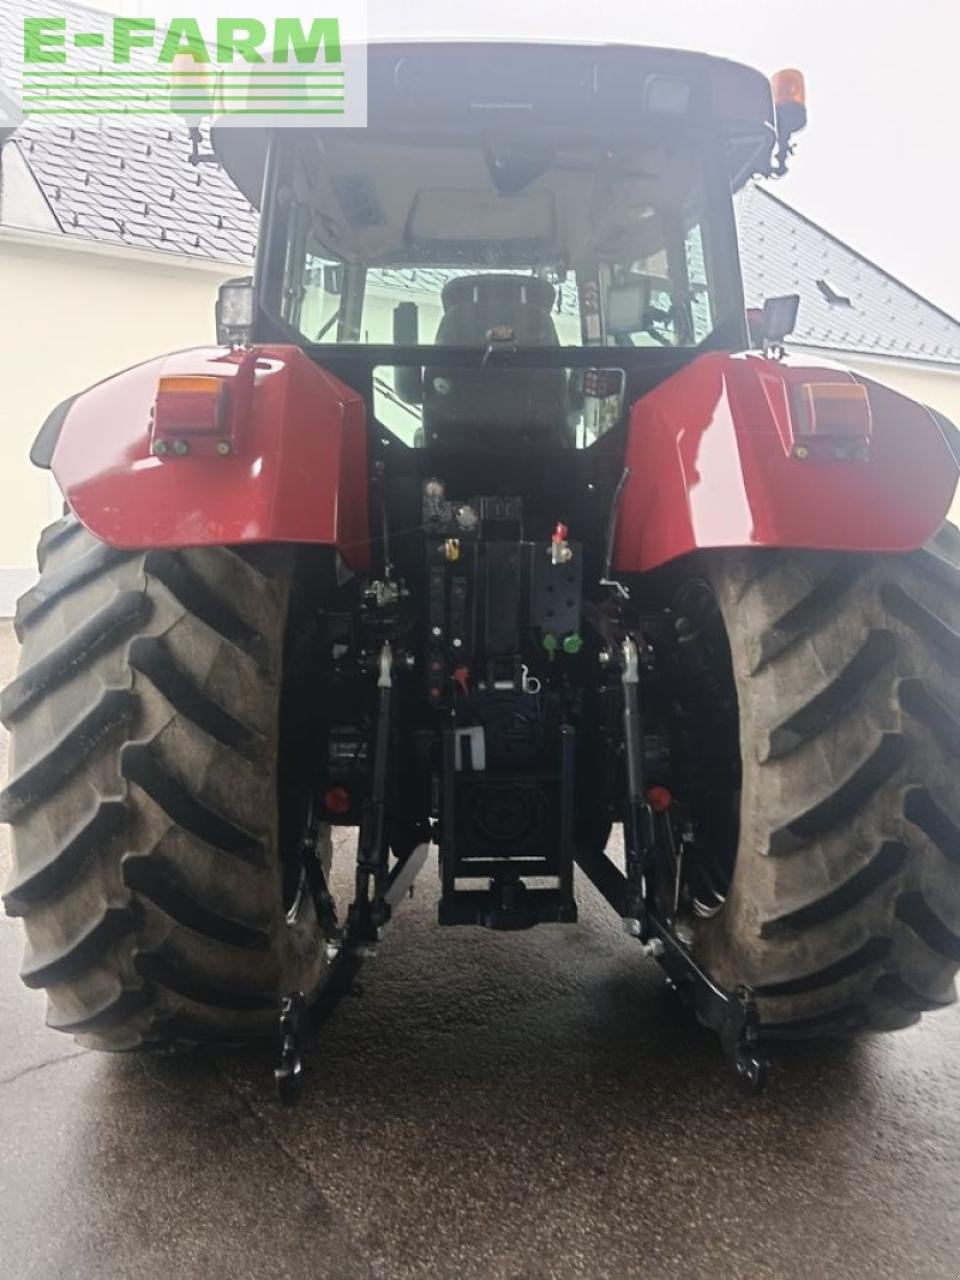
{"points": [[298, 472], [710, 453]]}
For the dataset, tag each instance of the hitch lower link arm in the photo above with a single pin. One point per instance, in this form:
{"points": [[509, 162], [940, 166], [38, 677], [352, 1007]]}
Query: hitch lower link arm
{"points": [[639, 829], [732, 1014], [370, 910]]}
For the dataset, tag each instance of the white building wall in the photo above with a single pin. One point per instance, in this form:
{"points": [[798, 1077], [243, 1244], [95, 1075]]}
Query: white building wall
{"points": [[70, 315]]}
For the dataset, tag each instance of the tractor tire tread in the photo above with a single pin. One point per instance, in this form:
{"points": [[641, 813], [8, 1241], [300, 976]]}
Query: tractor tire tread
{"points": [[144, 740], [844, 911]]}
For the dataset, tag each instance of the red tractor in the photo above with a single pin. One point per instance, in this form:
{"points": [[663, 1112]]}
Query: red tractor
{"points": [[484, 526]]}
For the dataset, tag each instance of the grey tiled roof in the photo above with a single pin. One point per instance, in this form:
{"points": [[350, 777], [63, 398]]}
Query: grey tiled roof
{"points": [[133, 185], [784, 252], [127, 183]]}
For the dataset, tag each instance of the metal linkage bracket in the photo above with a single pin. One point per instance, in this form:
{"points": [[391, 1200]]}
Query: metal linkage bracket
{"points": [[299, 1020], [377, 893], [370, 910], [733, 1015], [638, 829], [288, 1073]]}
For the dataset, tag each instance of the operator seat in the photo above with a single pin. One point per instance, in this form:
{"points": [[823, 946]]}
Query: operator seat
{"points": [[496, 406]]}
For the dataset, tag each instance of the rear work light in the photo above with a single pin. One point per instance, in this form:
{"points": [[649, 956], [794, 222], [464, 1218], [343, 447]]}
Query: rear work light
{"points": [[831, 420]]}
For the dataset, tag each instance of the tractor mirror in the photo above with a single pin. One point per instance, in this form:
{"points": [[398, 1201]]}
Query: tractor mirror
{"points": [[235, 312], [627, 307], [407, 379]]}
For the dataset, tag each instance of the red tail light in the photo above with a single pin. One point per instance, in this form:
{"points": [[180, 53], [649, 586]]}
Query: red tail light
{"points": [[201, 413], [190, 407], [840, 410], [831, 419]]}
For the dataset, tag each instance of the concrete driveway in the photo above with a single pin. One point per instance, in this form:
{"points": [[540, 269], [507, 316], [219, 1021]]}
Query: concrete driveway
{"points": [[525, 1106]]}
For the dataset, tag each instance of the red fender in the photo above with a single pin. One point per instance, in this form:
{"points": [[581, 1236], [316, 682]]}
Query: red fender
{"points": [[296, 470], [718, 457]]}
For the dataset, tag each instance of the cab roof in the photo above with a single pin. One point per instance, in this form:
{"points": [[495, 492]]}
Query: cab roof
{"points": [[570, 93]]}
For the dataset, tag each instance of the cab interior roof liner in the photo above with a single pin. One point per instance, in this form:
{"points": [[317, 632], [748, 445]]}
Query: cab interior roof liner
{"points": [[390, 202]]}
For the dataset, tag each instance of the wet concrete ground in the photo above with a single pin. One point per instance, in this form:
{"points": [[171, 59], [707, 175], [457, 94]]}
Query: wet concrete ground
{"points": [[521, 1106]]}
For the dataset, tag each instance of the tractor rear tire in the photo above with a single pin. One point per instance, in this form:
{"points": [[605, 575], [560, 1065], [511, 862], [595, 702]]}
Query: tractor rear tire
{"points": [[843, 912], [145, 734]]}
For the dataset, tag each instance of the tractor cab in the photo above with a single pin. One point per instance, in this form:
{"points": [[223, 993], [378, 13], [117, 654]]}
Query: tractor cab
{"points": [[522, 241]]}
